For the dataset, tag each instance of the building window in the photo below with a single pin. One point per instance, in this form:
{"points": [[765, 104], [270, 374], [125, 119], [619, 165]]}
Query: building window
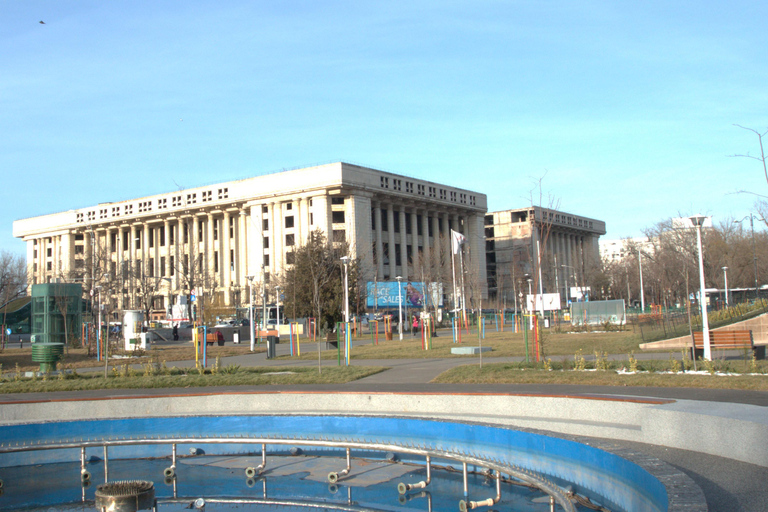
{"points": [[151, 269], [266, 242], [420, 189], [384, 182], [337, 200], [191, 198], [176, 201], [311, 219], [173, 268], [223, 193], [207, 195], [162, 204], [151, 238], [338, 217], [289, 240], [290, 258], [339, 235], [215, 229], [115, 211], [409, 187], [265, 225], [432, 192], [407, 223], [266, 260], [398, 259], [215, 261], [289, 221], [265, 209], [396, 220], [289, 206]]}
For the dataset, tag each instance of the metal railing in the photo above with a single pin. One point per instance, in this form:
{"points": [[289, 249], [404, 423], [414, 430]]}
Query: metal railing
{"points": [[556, 494]]}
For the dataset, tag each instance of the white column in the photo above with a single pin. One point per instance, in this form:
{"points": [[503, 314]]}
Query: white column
{"points": [[379, 247], [209, 248], [425, 241], [225, 259], [391, 237]]}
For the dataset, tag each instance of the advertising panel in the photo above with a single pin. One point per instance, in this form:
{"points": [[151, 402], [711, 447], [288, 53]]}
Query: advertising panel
{"points": [[385, 294]]}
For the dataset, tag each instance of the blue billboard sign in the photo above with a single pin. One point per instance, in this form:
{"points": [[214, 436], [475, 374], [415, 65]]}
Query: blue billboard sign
{"points": [[386, 294]]}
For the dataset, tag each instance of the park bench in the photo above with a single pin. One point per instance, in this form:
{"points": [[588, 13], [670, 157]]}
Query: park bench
{"points": [[727, 340], [211, 338]]}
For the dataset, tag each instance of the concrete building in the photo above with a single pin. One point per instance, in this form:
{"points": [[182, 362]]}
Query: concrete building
{"points": [[251, 227], [568, 244], [616, 250]]}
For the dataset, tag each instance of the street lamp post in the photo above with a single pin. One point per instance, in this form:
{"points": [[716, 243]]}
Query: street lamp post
{"points": [[400, 306], [263, 300], [251, 328], [642, 294], [277, 300], [345, 261], [530, 293], [725, 275], [698, 221]]}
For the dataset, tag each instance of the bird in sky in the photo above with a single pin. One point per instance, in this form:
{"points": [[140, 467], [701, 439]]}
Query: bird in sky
{"points": [[42, 22]]}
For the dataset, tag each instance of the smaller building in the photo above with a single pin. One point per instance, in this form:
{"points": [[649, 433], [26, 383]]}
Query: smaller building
{"points": [[614, 251], [567, 243]]}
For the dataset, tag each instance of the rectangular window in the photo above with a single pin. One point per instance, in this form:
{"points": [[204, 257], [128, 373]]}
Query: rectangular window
{"points": [[337, 200], [151, 269], [266, 260], [396, 220], [289, 206], [151, 238], [419, 222], [215, 261], [162, 266], [112, 242], [398, 259], [311, 219], [137, 236], [265, 225], [266, 242], [171, 237], [289, 221], [173, 268], [384, 221], [339, 235], [289, 240], [232, 260], [125, 240], [290, 258], [161, 230], [407, 223], [338, 217], [215, 229]]}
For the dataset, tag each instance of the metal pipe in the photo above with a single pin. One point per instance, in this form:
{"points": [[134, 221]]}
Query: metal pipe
{"points": [[528, 477], [170, 472], [333, 476], [464, 505], [464, 474], [85, 475], [106, 465], [403, 488], [251, 472]]}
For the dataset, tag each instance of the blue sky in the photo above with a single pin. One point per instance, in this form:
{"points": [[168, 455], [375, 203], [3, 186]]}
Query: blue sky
{"points": [[626, 109]]}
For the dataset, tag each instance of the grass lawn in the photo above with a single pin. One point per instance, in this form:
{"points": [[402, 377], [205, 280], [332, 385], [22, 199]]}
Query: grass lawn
{"points": [[503, 344], [78, 358], [162, 377], [510, 373]]}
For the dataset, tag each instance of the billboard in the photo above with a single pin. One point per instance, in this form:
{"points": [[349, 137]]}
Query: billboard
{"points": [[385, 294], [550, 301]]}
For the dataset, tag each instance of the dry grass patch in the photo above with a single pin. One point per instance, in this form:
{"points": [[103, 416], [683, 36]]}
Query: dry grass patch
{"points": [[503, 344], [126, 378], [500, 373], [78, 357]]}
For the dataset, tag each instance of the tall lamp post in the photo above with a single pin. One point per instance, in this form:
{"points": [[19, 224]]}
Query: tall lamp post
{"points": [[698, 221], [754, 251], [400, 306], [642, 294], [725, 275], [345, 261], [251, 328], [277, 299], [263, 301]]}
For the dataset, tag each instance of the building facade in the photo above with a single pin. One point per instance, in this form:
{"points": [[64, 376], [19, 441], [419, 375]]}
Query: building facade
{"points": [[568, 245], [230, 231]]}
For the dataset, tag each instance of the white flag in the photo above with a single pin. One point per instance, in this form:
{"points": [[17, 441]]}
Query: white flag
{"points": [[457, 240]]}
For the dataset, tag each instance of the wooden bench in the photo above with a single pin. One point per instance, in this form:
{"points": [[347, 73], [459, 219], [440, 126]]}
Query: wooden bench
{"points": [[210, 339], [727, 340]]}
